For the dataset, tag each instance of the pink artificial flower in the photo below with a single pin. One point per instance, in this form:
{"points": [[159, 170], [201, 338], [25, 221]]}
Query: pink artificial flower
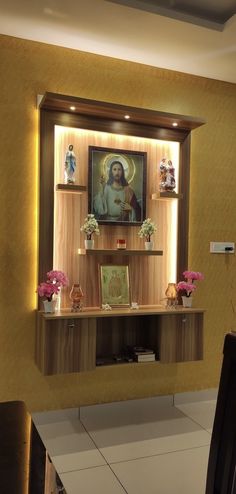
{"points": [[47, 289], [186, 287], [193, 275], [58, 277]]}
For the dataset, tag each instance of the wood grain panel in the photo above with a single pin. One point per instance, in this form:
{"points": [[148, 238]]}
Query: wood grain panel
{"points": [[107, 110], [64, 346], [149, 277], [71, 188], [97, 312], [183, 209], [180, 338]]}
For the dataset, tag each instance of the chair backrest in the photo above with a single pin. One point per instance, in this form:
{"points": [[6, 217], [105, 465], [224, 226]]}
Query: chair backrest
{"points": [[221, 474]]}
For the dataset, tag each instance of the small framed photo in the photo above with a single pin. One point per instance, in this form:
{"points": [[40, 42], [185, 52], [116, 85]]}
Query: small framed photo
{"points": [[114, 285], [117, 186]]}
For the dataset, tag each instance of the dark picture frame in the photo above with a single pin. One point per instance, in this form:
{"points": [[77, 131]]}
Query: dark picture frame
{"points": [[114, 285], [117, 185]]}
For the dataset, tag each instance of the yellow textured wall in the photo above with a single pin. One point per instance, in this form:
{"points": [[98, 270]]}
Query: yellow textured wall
{"points": [[28, 69]]}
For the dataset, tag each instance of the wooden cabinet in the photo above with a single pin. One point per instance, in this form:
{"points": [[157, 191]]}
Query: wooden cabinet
{"points": [[180, 337], [74, 342], [65, 344]]}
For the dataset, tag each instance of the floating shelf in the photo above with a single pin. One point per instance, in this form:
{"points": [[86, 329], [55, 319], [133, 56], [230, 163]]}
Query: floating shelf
{"points": [[97, 312], [121, 252], [163, 196], [71, 188]]}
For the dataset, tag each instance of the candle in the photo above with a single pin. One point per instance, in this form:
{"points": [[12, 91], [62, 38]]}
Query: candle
{"points": [[121, 243]]}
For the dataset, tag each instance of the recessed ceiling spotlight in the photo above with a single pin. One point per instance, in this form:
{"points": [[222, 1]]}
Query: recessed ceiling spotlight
{"points": [[175, 124], [127, 117], [72, 108]]}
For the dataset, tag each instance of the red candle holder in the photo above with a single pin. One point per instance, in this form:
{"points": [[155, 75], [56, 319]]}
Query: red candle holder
{"points": [[121, 243]]}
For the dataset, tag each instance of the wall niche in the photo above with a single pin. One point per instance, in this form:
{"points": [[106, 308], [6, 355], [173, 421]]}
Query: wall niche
{"points": [[94, 123]]}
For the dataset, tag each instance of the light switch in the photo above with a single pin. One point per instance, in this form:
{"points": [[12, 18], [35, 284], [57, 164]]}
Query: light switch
{"points": [[222, 247]]}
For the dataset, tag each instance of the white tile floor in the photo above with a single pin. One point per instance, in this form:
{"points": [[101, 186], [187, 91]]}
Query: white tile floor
{"points": [[147, 446]]}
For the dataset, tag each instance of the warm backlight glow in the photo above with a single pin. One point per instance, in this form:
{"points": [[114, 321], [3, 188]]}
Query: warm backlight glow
{"points": [[71, 209], [33, 300]]}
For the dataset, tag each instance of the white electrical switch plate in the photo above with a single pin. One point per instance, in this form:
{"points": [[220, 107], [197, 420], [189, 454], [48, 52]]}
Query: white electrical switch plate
{"points": [[222, 247]]}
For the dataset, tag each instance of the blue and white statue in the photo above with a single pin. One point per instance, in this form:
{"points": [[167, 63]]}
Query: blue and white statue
{"points": [[70, 165]]}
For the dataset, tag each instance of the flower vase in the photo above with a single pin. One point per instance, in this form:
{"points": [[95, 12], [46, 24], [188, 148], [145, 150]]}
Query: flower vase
{"points": [[49, 305], [57, 299], [187, 301], [89, 244], [148, 245]]}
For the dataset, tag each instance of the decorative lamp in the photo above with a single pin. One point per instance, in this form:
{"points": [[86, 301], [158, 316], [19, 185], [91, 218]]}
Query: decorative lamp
{"points": [[171, 294], [76, 296]]}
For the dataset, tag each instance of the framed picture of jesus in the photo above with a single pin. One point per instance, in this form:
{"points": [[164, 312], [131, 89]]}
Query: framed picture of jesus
{"points": [[117, 185]]}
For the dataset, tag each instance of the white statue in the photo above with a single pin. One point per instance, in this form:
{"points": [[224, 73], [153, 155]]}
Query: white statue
{"points": [[70, 165]]}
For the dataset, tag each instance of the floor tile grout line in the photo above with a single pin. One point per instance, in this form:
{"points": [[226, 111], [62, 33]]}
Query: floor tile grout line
{"points": [[194, 421], [103, 456], [118, 479], [132, 459], [146, 456], [81, 469], [93, 441], [158, 454], [107, 463], [92, 467]]}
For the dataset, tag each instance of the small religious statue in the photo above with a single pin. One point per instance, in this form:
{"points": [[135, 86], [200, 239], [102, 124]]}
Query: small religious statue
{"points": [[167, 176], [70, 165], [76, 295]]}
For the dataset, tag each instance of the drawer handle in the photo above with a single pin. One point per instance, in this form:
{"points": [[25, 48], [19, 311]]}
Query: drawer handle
{"points": [[184, 319], [71, 325]]}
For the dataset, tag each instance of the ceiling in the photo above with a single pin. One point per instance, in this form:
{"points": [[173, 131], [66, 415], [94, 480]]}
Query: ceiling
{"points": [[193, 36]]}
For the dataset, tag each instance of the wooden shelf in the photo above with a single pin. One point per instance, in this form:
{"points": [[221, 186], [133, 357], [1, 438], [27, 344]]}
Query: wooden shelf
{"points": [[163, 196], [71, 188], [109, 361], [97, 312], [112, 111], [120, 252]]}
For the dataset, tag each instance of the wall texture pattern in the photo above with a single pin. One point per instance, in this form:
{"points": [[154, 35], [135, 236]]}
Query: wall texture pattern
{"points": [[30, 68]]}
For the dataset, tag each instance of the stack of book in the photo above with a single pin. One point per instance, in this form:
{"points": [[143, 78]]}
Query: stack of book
{"points": [[142, 354]]}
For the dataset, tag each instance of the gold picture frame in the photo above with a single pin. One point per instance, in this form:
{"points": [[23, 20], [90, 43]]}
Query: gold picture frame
{"points": [[117, 186], [114, 285]]}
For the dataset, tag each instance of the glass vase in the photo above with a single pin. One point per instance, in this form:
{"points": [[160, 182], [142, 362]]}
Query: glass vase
{"points": [[76, 296], [171, 295]]}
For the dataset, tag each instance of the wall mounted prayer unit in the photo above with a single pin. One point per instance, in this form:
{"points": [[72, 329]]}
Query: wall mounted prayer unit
{"points": [[63, 207]]}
